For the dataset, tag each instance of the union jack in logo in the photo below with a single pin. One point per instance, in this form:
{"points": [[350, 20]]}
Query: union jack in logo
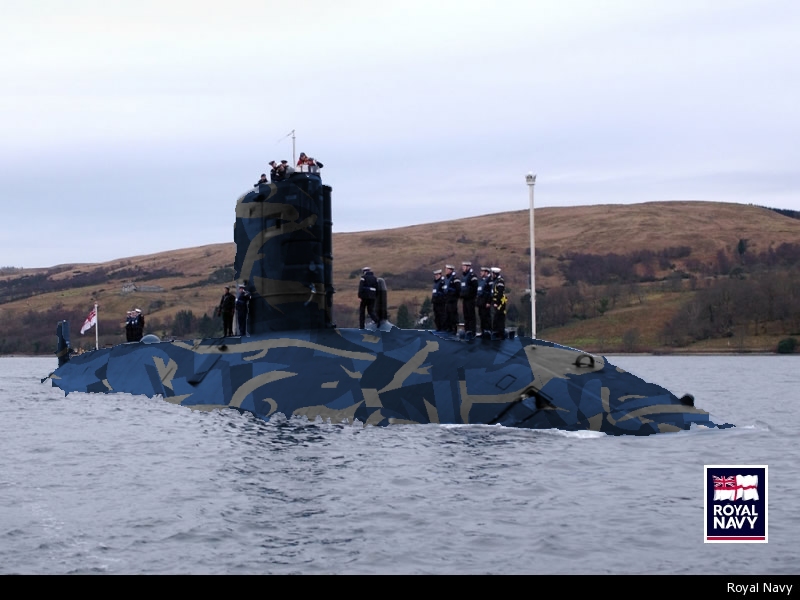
{"points": [[739, 487], [724, 483]]}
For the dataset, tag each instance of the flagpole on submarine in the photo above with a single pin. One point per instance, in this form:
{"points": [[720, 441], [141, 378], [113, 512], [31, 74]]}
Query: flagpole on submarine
{"points": [[96, 329]]}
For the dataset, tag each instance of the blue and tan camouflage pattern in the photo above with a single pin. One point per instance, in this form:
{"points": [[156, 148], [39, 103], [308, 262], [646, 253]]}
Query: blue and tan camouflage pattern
{"points": [[388, 377]]}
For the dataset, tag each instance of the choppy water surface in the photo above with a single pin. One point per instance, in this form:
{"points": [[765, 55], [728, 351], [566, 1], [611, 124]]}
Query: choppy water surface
{"points": [[96, 483]]}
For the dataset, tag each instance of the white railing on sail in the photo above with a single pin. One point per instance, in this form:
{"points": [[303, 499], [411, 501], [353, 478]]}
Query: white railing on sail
{"points": [[306, 169]]}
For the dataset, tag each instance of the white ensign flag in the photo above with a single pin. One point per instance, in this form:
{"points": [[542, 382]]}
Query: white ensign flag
{"points": [[90, 322]]}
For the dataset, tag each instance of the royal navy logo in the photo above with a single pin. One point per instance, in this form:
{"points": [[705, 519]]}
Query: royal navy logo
{"points": [[735, 504]]}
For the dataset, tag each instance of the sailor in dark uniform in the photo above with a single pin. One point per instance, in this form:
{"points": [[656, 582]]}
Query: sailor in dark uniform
{"points": [[286, 169], [129, 319], [484, 301], [242, 302], [469, 292], [367, 290], [274, 174], [438, 300], [452, 292], [138, 325], [225, 310], [499, 304], [262, 181]]}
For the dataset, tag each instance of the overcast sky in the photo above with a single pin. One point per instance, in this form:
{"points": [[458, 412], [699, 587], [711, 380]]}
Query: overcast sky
{"points": [[128, 128]]}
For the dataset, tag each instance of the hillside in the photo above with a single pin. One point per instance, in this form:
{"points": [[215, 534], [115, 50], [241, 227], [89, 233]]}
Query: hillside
{"points": [[670, 247]]}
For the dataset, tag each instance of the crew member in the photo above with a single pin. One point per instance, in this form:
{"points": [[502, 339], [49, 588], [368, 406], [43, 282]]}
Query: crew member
{"points": [[242, 302], [469, 293], [286, 169], [129, 319], [273, 171], [484, 302], [138, 325], [307, 160], [367, 290], [262, 181], [227, 305], [499, 304], [452, 292], [438, 300]]}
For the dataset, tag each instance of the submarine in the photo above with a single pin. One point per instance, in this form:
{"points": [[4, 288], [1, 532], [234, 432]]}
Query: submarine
{"points": [[296, 362]]}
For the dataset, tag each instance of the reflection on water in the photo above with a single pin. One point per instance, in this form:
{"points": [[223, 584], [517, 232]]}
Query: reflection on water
{"points": [[122, 484]]}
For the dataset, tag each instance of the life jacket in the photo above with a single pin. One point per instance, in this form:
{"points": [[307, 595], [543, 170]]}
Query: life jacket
{"points": [[502, 305], [452, 287], [484, 291], [242, 299], [469, 285], [437, 294], [499, 298]]}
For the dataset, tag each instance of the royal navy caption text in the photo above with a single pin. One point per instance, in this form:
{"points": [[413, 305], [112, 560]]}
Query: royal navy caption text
{"points": [[755, 588]]}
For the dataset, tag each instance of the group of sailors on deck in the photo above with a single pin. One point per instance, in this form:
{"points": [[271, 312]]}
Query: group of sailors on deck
{"points": [[486, 292]]}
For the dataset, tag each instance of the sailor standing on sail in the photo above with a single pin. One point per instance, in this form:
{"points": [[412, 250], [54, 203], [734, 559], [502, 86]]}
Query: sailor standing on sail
{"points": [[367, 290], [274, 171]]}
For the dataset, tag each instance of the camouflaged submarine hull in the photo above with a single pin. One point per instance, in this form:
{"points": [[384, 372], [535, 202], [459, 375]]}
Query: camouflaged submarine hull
{"points": [[298, 364], [388, 377]]}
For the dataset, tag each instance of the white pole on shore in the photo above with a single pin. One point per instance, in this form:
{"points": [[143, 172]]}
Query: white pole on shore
{"points": [[96, 329], [530, 179]]}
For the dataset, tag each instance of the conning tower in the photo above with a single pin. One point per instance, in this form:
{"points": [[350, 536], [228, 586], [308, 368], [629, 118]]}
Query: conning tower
{"points": [[284, 249]]}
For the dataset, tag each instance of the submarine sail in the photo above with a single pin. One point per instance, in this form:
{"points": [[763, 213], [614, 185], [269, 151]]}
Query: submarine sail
{"points": [[282, 236]]}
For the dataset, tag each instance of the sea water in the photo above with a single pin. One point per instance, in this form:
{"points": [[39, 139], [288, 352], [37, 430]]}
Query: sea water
{"points": [[97, 483]]}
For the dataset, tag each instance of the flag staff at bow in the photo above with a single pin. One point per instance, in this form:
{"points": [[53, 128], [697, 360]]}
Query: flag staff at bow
{"points": [[91, 321]]}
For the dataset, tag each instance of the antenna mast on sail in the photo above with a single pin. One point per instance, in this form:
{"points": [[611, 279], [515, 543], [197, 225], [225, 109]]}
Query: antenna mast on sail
{"points": [[294, 157]]}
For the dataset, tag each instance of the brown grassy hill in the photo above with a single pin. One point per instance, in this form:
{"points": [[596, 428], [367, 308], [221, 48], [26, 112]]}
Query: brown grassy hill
{"points": [[503, 239], [406, 256], [704, 226]]}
